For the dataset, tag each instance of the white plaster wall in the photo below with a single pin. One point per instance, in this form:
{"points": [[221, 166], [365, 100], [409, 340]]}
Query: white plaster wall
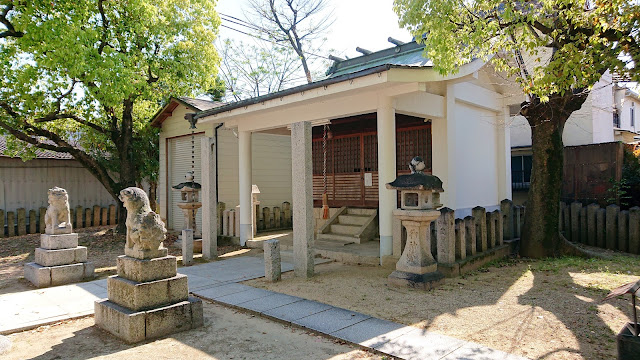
{"points": [[271, 163], [625, 114], [520, 131], [477, 165], [602, 106], [271, 168]]}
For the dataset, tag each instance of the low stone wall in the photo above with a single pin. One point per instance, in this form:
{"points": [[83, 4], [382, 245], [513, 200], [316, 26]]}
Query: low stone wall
{"points": [[609, 228], [24, 222], [266, 218]]}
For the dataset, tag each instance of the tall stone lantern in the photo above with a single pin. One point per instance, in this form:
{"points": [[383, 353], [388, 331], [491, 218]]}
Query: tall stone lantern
{"points": [[420, 197], [190, 196]]}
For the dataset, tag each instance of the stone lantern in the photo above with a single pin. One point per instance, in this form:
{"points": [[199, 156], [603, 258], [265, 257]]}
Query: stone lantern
{"points": [[420, 198], [189, 194]]}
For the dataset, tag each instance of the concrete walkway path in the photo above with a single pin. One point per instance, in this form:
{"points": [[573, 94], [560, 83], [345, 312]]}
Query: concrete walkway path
{"points": [[218, 281]]}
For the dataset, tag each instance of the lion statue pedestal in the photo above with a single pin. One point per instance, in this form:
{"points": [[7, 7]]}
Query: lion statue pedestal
{"points": [[59, 259], [148, 298]]}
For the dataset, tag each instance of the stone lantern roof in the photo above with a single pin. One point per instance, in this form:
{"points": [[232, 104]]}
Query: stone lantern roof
{"points": [[416, 181]]}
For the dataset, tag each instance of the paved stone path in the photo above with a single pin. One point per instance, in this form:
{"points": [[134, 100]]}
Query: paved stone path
{"points": [[218, 282]]}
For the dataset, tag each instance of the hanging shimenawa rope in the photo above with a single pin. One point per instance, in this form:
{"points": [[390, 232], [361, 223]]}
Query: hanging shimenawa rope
{"points": [[325, 199]]}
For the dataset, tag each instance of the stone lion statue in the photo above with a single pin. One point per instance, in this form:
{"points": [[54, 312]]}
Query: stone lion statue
{"points": [[57, 219], [145, 229]]}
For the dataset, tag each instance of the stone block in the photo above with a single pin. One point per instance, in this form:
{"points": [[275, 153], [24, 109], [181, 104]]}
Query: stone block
{"points": [[286, 210], [566, 217], [147, 295], [276, 218], [62, 241], [123, 323], [426, 281], [187, 247], [2, 223], [46, 257], [145, 254], [11, 223], [174, 318], [491, 230], [470, 235], [302, 191], [38, 275], [43, 212], [601, 228], [499, 227], [575, 221], [612, 226], [634, 230], [33, 222], [22, 221], [96, 215], [519, 218], [461, 247], [112, 215], [68, 274], [623, 231], [272, 263], [592, 210], [146, 270], [266, 217], [445, 236], [87, 217], [583, 226], [79, 219], [104, 216], [506, 208], [480, 219]]}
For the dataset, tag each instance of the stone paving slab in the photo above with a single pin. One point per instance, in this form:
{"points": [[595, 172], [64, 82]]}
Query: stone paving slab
{"points": [[297, 310], [372, 332], [331, 320], [420, 344], [244, 296], [222, 290], [471, 351], [272, 301]]}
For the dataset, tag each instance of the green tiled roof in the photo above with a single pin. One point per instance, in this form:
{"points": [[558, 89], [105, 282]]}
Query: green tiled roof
{"points": [[409, 54]]}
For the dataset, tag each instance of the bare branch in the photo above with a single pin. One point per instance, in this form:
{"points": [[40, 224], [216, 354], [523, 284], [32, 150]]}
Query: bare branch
{"points": [[11, 31]]}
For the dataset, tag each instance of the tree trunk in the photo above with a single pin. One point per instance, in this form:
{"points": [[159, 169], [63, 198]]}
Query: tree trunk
{"points": [[540, 236], [153, 187]]}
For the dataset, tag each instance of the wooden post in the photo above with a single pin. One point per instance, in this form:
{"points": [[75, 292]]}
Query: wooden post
{"points": [[87, 217], [96, 215], [105, 216]]}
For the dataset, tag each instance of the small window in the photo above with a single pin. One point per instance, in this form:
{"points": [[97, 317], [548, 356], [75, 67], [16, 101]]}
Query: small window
{"points": [[521, 171], [616, 120], [514, 110], [632, 114]]}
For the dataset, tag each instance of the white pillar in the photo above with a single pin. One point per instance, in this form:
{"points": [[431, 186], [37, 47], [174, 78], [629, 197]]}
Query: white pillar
{"points": [[387, 199], [302, 191], [504, 154], [244, 155], [210, 219], [443, 149]]}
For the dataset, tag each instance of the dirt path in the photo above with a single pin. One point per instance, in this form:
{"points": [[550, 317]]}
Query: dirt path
{"points": [[226, 335], [538, 309]]}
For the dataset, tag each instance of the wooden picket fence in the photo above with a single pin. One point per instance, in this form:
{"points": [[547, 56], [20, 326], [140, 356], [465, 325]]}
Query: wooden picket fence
{"points": [[22, 222]]}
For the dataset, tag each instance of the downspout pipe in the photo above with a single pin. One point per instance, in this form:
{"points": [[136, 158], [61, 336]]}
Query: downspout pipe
{"points": [[216, 145]]}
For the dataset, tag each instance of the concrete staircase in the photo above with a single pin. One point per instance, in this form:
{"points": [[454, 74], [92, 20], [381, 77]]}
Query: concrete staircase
{"points": [[350, 225]]}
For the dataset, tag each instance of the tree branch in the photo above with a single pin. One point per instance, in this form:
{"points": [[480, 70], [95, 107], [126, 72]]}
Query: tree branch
{"points": [[11, 31]]}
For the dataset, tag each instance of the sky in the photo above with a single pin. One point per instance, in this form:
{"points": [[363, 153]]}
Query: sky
{"points": [[363, 23]]}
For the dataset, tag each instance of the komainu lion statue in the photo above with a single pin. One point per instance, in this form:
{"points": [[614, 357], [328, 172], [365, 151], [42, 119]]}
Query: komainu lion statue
{"points": [[145, 229], [57, 219]]}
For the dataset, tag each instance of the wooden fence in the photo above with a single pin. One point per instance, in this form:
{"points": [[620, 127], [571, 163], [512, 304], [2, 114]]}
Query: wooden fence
{"points": [[22, 222]]}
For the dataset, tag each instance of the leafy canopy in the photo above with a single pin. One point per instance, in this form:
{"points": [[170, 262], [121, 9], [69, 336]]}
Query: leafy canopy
{"points": [[585, 38], [86, 74]]}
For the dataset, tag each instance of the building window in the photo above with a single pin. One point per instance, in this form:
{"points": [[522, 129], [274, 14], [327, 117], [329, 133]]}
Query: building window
{"points": [[632, 115], [521, 171], [616, 120]]}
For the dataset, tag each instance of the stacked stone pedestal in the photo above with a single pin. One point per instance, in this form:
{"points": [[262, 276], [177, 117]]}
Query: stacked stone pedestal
{"points": [[147, 299], [58, 261]]}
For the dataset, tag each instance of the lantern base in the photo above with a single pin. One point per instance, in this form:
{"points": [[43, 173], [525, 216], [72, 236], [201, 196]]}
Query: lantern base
{"points": [[425, 281]]}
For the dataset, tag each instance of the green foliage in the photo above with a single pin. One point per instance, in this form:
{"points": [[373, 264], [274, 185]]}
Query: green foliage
{"points": [[566, 44], [86, 76]]}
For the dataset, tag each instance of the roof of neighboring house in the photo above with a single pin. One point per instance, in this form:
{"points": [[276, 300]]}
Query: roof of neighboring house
{"points": [[407, 55], [40, 153], [191, 103]]}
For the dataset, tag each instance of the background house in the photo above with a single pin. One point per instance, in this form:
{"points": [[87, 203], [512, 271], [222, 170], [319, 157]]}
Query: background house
{"points": [[25, 184], [606, 116]]}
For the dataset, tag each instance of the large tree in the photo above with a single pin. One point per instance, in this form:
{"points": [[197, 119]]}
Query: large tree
{"points": [[296, 23], [250, 70], [555, 50], [85, 76]]}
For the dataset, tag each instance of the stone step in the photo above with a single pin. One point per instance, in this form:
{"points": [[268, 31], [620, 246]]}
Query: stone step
{"points": [[356, 211], [336, 237], [345, 229], [353, 219]]}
